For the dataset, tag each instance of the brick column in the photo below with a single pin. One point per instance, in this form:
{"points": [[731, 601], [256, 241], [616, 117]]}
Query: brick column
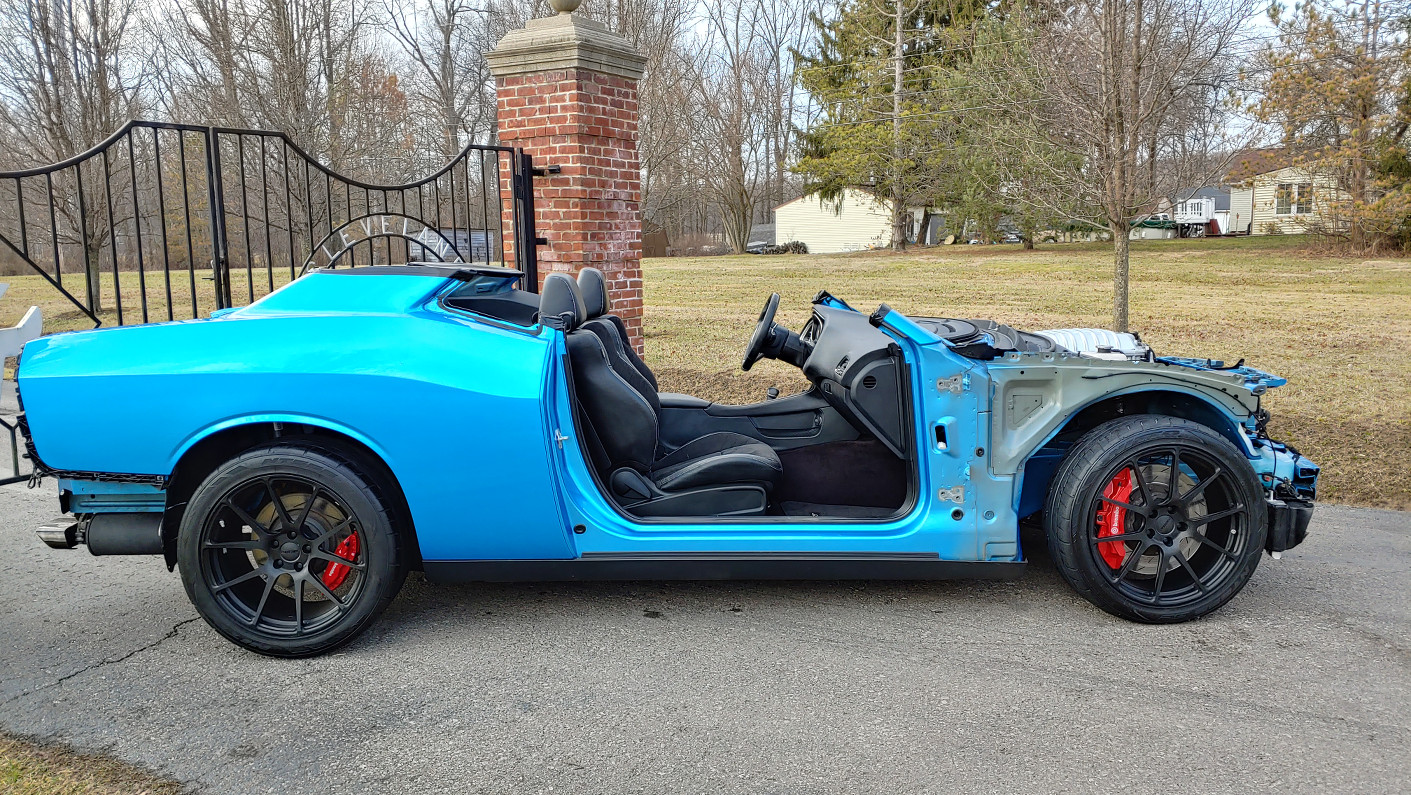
{"points": [[567, 89]]}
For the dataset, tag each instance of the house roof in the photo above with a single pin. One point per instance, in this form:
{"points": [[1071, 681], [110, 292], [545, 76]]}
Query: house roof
{"points": [[1250, 164], [1220, 195]]}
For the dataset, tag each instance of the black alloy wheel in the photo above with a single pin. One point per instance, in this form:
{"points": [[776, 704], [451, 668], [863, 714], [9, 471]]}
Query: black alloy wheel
{"points": [[1156, 519], [289, 551]]}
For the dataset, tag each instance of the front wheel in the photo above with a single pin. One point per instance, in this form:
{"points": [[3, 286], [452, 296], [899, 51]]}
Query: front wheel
{"points": [[1155, 519], [289, 550]]}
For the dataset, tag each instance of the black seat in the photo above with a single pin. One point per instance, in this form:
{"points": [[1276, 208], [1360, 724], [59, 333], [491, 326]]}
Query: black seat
{"points": [[622, 428], [610, 328]]}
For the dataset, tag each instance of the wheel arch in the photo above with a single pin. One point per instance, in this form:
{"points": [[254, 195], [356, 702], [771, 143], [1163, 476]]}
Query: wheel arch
{"points": [[1165, 401], [1042, 461], [204, 451]]}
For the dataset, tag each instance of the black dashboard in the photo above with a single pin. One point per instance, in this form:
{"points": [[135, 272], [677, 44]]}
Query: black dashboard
{"points": [[859, 370]]}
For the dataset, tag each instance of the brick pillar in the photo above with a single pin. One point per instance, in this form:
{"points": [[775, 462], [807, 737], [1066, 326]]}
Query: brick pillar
{"points": [[567, 89]]}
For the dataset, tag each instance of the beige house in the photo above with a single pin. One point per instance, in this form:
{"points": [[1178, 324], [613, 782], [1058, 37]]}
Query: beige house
{"points": [[1282, 201], [855, 222]]}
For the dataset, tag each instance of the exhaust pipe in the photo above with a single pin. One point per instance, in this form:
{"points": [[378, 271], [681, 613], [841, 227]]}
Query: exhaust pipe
{"points": [[59, 533], [106, 533]]}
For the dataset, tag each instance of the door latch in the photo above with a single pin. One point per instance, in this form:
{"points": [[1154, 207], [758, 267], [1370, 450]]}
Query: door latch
{"points": [[559, 437]]}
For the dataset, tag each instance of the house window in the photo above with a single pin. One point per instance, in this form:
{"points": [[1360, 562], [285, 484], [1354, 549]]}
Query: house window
{"points": [[1293, 198]]}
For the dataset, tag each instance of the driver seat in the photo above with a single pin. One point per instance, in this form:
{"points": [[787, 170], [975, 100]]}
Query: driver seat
{"points": [[612, 331], [623, 432]]}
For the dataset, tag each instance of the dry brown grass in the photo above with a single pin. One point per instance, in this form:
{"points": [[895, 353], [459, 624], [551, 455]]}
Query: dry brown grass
{"points": [[27, 768], [1338, 328]]}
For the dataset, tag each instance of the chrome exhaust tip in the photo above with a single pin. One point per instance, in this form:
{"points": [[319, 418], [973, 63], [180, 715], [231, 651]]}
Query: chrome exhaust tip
{"points": [[59, 533]]}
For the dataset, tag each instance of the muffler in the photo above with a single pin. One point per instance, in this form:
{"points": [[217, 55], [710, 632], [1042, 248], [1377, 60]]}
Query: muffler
{"points": [[124, 534], [106, 533]]}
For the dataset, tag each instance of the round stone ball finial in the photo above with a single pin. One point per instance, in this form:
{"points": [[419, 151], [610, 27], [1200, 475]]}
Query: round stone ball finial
{"points": [[565, 6]]}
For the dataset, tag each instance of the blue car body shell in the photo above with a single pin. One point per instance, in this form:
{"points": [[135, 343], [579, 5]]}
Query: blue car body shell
{"points": [[473, 417]]}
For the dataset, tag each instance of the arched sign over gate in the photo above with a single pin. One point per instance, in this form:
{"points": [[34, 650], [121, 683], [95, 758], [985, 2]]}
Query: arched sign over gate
{"points": [[420, 241], [164, 220]]}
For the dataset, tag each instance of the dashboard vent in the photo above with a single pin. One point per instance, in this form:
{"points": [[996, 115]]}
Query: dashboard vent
{"points": [[869, 382]]}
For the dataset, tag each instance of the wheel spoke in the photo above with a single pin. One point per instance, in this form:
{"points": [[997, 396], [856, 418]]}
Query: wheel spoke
{"points": [[1127, 505], [298, 605], [1130, 563], [331, 558], [331, 532], [1186, 564], [1200, 487], [264, 597], [247, 518], [1160, 576], [1174, 481], [1119, 537], [249, 575], [324, 590], [1206, 541], [284, 520], [1207, 519], [1148, 498], [304, 513], [227, 545]]}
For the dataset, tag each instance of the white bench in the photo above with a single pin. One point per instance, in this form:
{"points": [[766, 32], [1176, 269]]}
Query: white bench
{"points": [[30, 327]]}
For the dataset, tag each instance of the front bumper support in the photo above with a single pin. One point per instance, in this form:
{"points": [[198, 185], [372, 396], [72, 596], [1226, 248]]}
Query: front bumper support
{"points": [[1288, 524]]}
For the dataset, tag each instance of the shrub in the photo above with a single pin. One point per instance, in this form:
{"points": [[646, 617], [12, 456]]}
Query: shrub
{"points": [[791, 247]]}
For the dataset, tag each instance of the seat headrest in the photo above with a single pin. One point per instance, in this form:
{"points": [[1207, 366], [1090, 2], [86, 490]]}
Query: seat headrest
{"points": [[594, 287], [560, 303]]}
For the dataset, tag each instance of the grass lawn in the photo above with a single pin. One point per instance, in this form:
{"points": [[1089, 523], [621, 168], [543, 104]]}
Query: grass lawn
{"points": [[30, 769], [1338, 328]]}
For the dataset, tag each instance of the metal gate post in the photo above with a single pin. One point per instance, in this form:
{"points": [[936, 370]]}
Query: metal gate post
{"points": [[526, 240], [220, 263]]}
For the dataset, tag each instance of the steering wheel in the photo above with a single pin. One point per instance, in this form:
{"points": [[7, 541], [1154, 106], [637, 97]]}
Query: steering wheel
{"points": [[762, 332]]}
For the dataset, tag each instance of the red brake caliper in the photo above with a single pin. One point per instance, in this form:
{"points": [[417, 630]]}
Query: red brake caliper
{"points": [[1111, 519], [334, 575]]}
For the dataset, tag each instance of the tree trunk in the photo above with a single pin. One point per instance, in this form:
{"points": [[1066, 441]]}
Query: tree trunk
{"points": [[898, 194], [93, 274], [1121, 248]]}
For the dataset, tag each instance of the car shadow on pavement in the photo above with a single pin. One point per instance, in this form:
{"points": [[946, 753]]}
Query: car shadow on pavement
{"points": [[426, 609]]}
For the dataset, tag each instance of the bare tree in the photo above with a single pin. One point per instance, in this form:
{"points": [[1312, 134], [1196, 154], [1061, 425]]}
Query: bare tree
{"points": [[71, 72], [444, 42], [1128, 87]]}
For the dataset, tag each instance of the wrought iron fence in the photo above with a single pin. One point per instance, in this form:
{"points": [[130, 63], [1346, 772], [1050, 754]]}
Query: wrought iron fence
{"points": [[12, 437], [163, 220]]}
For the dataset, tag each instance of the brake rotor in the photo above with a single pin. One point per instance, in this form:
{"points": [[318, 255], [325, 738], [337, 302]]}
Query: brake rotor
{"points": [[1112, 519], [323, 516]]}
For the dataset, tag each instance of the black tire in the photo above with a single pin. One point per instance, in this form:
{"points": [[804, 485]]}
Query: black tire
{"points": [[258, 567], [1146, 555]]}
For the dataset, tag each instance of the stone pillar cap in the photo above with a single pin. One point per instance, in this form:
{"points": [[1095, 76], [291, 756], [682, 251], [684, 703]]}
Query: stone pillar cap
{"points": [[565, 41]]}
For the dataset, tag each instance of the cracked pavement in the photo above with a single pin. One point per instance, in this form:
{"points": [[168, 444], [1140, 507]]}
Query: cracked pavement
{"points": [[1301, 684]]}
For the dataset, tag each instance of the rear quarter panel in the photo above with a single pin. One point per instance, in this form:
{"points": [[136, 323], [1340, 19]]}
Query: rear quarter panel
{"points": [[452, 405]]}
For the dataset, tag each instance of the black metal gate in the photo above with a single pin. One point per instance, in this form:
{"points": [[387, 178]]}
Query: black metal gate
{"points": [[164, 221]]}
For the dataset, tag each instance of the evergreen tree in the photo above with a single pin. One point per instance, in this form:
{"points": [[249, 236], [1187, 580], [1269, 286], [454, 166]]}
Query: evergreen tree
{"points": [[887, 77]]}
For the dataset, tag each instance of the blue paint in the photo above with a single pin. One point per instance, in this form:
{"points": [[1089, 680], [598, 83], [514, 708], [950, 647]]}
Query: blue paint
{"points": [[1253, 378], [466, 412]]}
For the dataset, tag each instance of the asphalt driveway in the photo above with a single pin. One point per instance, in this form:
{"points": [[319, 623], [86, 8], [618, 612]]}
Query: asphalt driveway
{"points": [[1302, 684]]}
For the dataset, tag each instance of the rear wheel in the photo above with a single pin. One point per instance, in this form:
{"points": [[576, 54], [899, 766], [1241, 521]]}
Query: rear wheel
{"points": [[290, 551], [1155, 519]]}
